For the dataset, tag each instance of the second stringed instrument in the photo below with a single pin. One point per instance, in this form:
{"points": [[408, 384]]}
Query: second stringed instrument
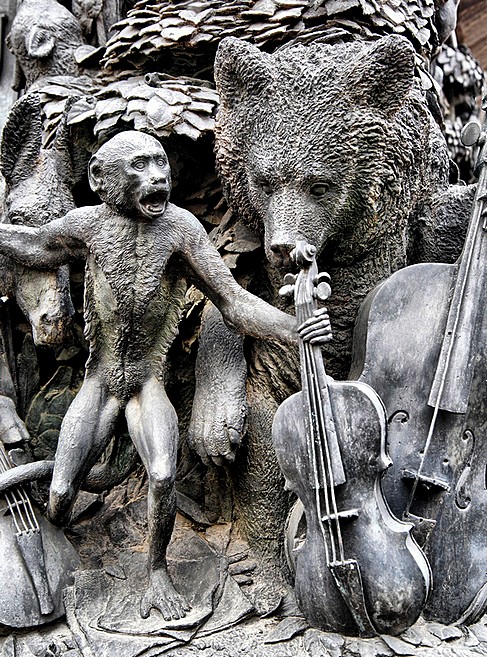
{"points": [[37, 561], [358, 571], [421, 342]]}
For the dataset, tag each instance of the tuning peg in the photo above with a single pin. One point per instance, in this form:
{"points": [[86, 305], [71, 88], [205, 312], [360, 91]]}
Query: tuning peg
{"points": [[289, 279], [470, 133], [322, 291], [286, 291], [322, 277], [322, 288]]}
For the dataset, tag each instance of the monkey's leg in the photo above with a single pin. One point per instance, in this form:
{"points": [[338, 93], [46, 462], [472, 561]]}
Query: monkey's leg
{"points": [[153, 426], [85, 432]]}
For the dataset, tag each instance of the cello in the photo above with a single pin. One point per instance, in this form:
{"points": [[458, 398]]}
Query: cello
{"points": [[358, 571], [421, 342], [36, 558]]}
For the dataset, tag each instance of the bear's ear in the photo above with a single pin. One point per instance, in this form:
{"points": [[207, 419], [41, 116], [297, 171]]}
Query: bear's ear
{"points": [[383, 76], [240, 68]]}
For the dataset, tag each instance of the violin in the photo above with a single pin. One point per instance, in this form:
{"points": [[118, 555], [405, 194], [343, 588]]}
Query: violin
{"points": [[358, 571], [36, 559], [421, 342]]}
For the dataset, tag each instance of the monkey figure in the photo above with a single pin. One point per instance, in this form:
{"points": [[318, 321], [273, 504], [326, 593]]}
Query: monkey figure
{"points": [[134, 291]]}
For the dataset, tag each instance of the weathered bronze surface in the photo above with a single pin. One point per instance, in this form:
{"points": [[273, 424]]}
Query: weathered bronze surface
{"points": [[334, 122]]}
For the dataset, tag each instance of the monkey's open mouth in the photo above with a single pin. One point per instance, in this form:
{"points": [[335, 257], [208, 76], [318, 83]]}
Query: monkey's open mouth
{"points": [[154, 203]]}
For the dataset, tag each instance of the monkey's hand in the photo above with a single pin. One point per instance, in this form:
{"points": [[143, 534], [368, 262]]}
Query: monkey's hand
{"points": [[219, 408], [12, 429], [316, 329]]}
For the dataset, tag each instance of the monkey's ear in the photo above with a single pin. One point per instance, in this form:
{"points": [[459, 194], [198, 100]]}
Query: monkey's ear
{"points": [[382, 77], [95, 174], [39, 42], [240, 69]]}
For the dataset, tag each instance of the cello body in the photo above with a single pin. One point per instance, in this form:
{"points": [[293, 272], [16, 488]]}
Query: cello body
{"points": [[397, 347], [19, 602], [37, 561], [358, 571], [421, 342]]}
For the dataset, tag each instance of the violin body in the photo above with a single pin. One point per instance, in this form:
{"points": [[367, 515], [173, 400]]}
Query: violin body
{"points": [[394, 572], [397, 347], [358, 571]]}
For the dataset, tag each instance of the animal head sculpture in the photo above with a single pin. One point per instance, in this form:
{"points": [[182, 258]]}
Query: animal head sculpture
{"points": [[39, 185], [326, 143], [44, 38]]}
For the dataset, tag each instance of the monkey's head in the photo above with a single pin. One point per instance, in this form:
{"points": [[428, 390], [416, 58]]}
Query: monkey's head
{"points": [[131, 173]]}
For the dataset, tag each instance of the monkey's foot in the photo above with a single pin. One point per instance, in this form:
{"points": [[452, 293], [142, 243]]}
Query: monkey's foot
{"points": [[162, 595]]}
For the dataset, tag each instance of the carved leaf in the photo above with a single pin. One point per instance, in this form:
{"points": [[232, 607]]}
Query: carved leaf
{"points": [[189, 23]]}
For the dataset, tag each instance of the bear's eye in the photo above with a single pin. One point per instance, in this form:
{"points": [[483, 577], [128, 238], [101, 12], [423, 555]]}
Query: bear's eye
{"points": [[264, 185], [17, 219], [319, 189]]}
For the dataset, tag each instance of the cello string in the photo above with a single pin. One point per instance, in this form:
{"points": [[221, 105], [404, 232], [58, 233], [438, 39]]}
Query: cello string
{"points": [[16, 493], [31, 517], [449, 354]]}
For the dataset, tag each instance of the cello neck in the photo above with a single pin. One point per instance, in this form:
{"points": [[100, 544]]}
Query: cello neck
{"points": [[453, 377]]}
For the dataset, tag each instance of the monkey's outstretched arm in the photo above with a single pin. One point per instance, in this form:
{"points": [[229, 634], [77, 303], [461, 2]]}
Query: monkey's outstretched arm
{"points": [[241, 310], [44, 247]]}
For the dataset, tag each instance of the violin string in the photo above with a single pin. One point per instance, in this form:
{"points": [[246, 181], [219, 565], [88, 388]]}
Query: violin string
{"points": [[323, 423], [16, 511], [12, 512], [326, 421], [307, 385], [446, 366], [10, 497], [317, 391], [317, 447]]}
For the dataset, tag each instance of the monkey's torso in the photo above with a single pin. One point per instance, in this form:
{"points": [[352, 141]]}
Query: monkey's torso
{"points": [[133, 300]]}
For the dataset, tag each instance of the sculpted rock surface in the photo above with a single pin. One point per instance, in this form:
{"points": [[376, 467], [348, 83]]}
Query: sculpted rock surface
{"points": [[39, 184]]}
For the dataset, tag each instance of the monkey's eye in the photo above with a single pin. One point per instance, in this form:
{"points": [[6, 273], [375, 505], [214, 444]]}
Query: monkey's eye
{"points": [[161, 162], [319, 189], [17, 219], [139, 165]]}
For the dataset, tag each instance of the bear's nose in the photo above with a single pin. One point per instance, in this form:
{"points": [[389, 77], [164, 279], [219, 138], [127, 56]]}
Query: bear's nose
{"points": [[281, 253], [281, 249]]}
